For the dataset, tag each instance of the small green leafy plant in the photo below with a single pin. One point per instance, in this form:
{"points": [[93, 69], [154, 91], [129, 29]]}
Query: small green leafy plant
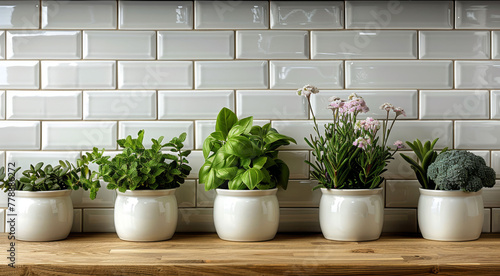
{"points": [[426, 155], [243, 156], [138, 168], [461, 170]]}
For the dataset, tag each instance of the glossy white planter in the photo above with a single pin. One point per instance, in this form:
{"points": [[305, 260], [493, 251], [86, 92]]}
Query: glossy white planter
{"points": [[43, 215], [146, 215], [243, 215], [450, 215], [351, 214]]}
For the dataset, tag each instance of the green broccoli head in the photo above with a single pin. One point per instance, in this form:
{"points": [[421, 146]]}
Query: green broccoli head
{"points": [[461, 170]]}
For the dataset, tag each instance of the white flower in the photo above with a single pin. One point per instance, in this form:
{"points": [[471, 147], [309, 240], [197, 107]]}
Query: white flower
{"points": [[399, 111], [307, 90], [386, 106]]}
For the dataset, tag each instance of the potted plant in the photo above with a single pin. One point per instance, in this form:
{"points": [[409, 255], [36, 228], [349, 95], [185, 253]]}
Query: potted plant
{"points": [[145, 180], [241, 163], [450, 206], [350, 157], [39, 202]]}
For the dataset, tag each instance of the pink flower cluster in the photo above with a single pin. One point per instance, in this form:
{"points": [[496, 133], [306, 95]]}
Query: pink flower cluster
{"points": [[354, 104], [369, 124], [362, 142], [399, 144]]}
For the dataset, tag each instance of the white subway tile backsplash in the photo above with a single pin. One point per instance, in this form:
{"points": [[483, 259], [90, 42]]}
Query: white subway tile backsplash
{"points": [[44, 44], [186, 194], [364, 44], [299, 220], [79, 14], [398, 168], [46, 105], [495, 162], [477, 135], [196, 45], [400, 220], [495, 45], [79, 135], [454, 44], [155, 74], [104, 199], [109, 105], [295, 74], [2, 159], [295, 161], [204, 198], [399, 74], [24, 159], [20, 14], [490, 196], [423, 130], [77, 221], [279, 104], [272, 44], [199, 104], [19, 135], [231, 15], [98, 220], [19, 74], [402, 193], [454, 104], [2, 44], [307, 15], [487, 221], [231, 74], [477, 74], [144, 15], [196, 160], [477, 15], [299, 194], [78, 75], [399, 15], [155, 129], [2, 105], [297, 130], [195, 220], [495, 220], [119, 45], [495, 104], [407, 99]]}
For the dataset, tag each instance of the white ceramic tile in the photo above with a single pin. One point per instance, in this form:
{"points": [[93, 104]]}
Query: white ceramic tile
{"points": [[78, 75], [155, 15], [119, 44], [77, 221], [295, 161], [195, 220], [19, 14], [495, 220], [491, 196], [20, 135], [278, 104], [24, 159], [363, 44], [156, 129], [2, 159], [454, 45], [297, 130], [196, 45], [402, 193], [399, 74], [272, 44], [46, 105], [44, 45], [231, 15], [454, 104], [205, 127], [495, 104], [155, 74], [307, 15], [400, 220], [79, 14], [399, 15], [98, 220], [299, 194], [204, 198], [19, 74], [104, 198], [398, 168], [2, 221], [487, 221], [477, 74], [2, 105], [2, 44], [186, 194], [295, 74], [423, 130], [495, 162], [299, 220], [407, 99], [79, 135], [197, 104], [231, 74], [495, 45], [196, 160], [477, 14], [102, 105], [477, 135]]}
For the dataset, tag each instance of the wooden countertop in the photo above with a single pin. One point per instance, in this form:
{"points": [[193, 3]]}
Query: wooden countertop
{"points": [[290, 254]]}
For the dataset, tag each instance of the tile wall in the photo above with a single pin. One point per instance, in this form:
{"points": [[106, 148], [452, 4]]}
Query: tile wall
{"points": [[78, 74]]}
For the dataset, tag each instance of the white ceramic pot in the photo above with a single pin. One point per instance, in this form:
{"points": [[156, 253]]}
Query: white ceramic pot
{"points": [[351, 214], [146, 215], [42, 215], [450, 215], [243, 215]]}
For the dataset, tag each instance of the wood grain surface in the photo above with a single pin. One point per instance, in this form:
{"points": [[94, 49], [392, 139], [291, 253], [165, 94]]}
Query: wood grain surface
{"points": [[287, 254]]}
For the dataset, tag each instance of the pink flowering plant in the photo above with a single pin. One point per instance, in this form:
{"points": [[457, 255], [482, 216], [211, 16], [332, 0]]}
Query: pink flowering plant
{"points": [[351, 153]]}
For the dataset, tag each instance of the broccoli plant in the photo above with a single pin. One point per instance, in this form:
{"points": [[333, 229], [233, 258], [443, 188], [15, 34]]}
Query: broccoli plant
{"points": [[461, 170]]}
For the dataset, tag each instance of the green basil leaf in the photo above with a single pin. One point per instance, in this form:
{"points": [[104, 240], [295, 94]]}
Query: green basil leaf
{"points": [[240, 146], [225, 121], [252, 177], [258, 163], [246, 123]]}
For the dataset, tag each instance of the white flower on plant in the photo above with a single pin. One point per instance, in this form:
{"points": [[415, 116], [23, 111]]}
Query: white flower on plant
{"points": [[386, 106], [307, 90], [362, 142], [355, 104], [336, 104], [333, 98], [399, 111], [399, 144], [354, 96]]}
